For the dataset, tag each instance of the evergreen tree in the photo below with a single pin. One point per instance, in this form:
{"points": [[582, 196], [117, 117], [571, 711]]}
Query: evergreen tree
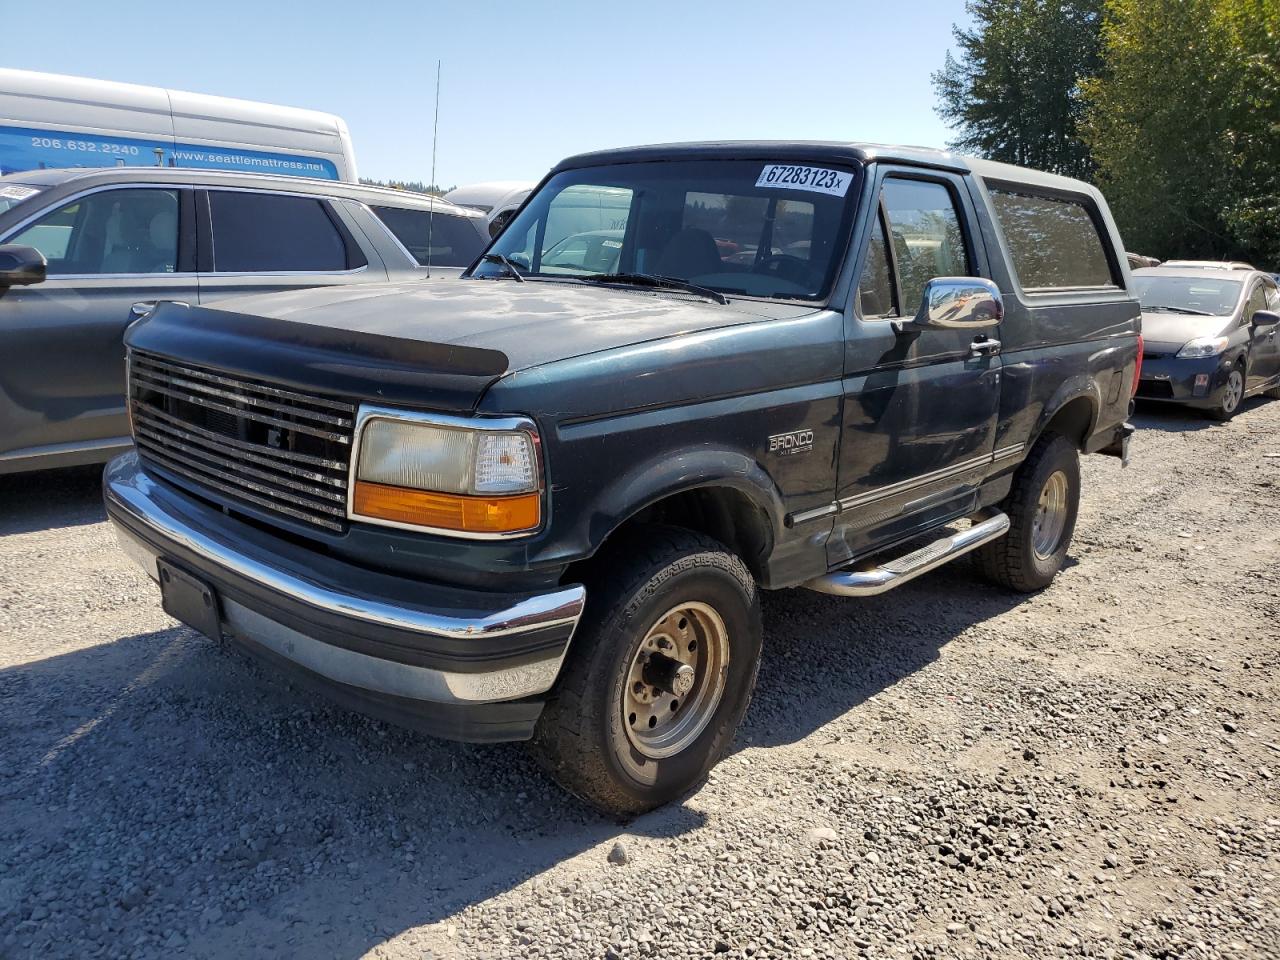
{"points": [[1014, 91]]}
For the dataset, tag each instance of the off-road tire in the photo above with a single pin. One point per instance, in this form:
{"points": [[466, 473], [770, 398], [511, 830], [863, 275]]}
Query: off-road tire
{"points": [[1011, 561], [580, 739], [1218, 411]]}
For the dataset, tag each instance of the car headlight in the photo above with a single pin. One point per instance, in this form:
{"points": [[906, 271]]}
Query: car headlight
{"points": [[1202, 347], [462, 476]]}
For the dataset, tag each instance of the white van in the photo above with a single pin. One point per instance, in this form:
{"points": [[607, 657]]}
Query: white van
{"points": [[49, 121], [496, 199]]}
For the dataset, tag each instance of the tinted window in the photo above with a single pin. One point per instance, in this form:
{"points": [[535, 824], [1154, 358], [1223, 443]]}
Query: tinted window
{"points": [[875, 289], [114, 231], [924, 229], [453, 241], [264, 233], [1054, 243]]}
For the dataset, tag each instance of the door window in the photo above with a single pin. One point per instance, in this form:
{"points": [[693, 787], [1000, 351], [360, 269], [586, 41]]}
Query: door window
{"points": [[875, 289], [926, 236], [452, 241], [272, 233], [1257, 301], [127, 231]]}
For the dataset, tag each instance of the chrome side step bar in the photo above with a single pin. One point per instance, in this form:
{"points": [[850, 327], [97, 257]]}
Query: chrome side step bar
{"points": [[867, 583]]}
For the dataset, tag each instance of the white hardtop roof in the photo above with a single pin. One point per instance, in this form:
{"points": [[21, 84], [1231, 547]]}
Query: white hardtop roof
{"points": [[160, 100]]}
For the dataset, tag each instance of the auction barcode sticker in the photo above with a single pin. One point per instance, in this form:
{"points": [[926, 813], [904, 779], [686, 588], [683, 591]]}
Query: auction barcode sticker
{"points": [[16, 192], [814, 179]]}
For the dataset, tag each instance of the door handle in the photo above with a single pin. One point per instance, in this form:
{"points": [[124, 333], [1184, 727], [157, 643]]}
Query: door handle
{"points": [[984, 347]]}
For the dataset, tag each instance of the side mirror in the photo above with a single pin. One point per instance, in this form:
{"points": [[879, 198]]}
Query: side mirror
{"points": [[20, 266], [957, 303], [1260, 318]]}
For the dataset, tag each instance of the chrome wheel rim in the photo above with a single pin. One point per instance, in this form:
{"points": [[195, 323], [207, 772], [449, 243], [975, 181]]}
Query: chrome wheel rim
{"points": [[1051, 516], [1233, 391], [675, 680]]}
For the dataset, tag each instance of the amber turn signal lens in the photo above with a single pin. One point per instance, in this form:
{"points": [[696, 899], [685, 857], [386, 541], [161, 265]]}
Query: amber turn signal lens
{"points": [[447, 511]]}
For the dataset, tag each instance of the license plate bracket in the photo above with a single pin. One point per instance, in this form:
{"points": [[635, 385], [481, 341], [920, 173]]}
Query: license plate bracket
{"points": [[189, 599]]}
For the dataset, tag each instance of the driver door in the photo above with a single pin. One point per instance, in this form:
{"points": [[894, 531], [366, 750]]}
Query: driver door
{"points": [[920, 408], [62, 369]]}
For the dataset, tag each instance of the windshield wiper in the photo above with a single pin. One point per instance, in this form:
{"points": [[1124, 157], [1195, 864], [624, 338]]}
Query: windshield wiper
{"points": [[504, 261], [654, 280], [1186, 310]]}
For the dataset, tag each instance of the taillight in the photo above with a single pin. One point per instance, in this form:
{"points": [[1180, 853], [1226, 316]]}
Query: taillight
{"points": [[1137, 369]]}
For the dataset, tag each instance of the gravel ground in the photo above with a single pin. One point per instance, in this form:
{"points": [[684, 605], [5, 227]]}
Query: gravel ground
{"points": [[947, 770]]}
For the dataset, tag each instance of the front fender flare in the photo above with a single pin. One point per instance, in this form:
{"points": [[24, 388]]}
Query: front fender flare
{"points": [[648, 481]]}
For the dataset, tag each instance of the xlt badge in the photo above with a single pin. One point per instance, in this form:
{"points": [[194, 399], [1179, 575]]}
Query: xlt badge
{"points": [[789, 444]]}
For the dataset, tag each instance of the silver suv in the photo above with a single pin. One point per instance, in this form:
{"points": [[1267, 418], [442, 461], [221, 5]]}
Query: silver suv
{"points": [[79, 248]]}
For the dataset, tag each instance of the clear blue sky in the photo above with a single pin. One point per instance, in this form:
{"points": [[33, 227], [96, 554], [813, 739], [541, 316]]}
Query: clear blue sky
{"points": [[525, 85]]}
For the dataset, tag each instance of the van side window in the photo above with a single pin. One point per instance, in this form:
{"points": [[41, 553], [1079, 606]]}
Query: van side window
{"points": [[928, 242], [875, 289], [1054, 243], [454, 241], [267, 233], [127, 231]]}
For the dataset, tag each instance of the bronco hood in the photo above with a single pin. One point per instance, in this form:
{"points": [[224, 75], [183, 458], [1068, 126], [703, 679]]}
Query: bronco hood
{"points": [[434, 342]]}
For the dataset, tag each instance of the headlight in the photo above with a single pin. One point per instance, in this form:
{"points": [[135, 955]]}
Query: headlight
{"points": [[1202, 347], [463, 476]]}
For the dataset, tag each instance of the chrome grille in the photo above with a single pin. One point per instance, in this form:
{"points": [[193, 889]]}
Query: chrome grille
{"points": [[282, 451]]}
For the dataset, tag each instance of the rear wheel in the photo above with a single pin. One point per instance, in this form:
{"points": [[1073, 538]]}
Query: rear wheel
{"points": [[659, 675], [1230, 395], [1042, 508]]}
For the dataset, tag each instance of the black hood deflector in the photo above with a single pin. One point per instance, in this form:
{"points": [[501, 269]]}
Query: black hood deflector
{"points": [[322, 359]]}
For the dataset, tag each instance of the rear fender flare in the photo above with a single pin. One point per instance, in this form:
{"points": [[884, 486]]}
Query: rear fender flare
{"points": [[1073, 388]]}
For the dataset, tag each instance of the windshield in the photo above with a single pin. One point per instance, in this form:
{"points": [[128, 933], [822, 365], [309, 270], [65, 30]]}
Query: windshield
{"points": [[1187, 294], [12, 194], [737, 227]]}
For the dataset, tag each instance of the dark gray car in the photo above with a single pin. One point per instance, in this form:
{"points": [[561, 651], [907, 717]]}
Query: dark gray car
{"points": [[113, 238], [1210, 335]]}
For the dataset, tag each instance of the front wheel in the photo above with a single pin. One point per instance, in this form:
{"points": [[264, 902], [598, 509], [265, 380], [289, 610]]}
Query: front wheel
{"points": [[1230, 396], [658, 676], [1042, 508]]}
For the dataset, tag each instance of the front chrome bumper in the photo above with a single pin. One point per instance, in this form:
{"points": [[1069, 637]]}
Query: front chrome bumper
{"points": [[404, 639]]}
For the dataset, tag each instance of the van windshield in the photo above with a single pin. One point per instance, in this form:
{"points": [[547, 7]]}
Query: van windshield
{"points": [[738, 227], [1187, 294], [12, 194]]}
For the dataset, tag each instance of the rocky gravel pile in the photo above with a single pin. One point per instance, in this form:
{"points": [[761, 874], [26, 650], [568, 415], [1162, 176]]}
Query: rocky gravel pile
{"points": [[943, 771]]}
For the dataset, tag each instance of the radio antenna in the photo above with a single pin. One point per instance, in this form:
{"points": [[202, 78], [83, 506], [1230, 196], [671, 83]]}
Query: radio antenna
{"points": [[435, 135]]}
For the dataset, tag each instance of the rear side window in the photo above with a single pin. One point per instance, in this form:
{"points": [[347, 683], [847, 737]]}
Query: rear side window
{"points": [[267, 233], [1054, 243], [452, 241]]}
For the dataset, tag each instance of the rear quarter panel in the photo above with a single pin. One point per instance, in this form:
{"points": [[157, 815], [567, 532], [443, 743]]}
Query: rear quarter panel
{"points": [[1066, 344]]}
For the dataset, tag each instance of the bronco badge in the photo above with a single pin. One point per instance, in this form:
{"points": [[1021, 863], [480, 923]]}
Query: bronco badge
{"points": [[789, 444]]}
